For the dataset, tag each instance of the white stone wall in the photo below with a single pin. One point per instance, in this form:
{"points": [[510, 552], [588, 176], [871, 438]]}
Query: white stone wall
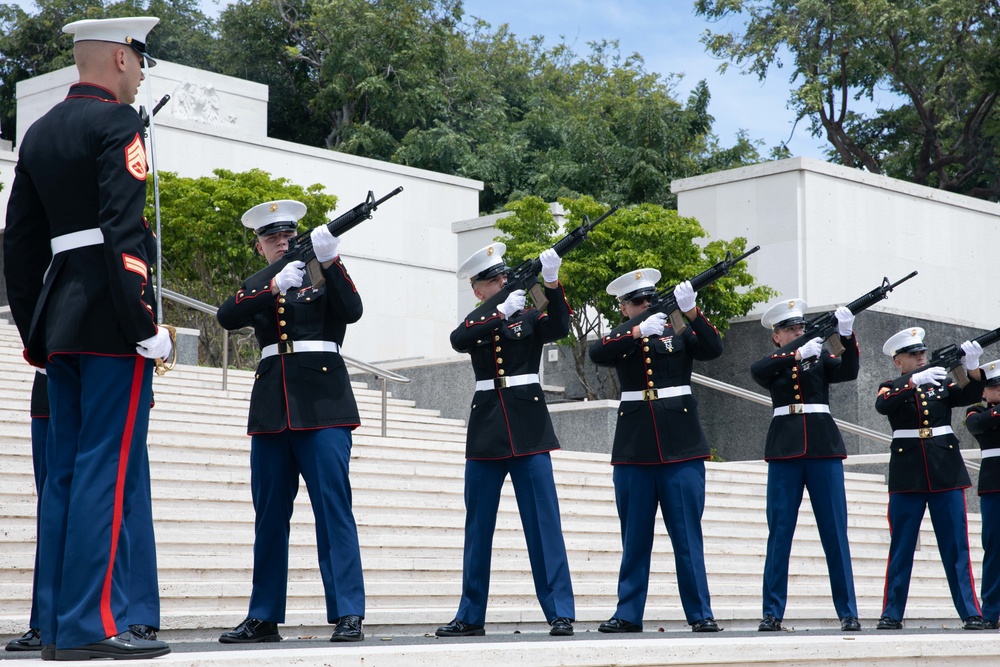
{"points": [[403, 260], [829, 233]]}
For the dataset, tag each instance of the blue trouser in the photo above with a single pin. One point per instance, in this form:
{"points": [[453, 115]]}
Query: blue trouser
{"points": [[39, 429], [535, 490], [99, 408], [989, 504], [679, 490], [144, 594], [824, 478], [322, 456], [951, 528]]}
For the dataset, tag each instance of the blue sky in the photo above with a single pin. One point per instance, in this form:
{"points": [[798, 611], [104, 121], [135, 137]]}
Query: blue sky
{"points": [[667, 34]]}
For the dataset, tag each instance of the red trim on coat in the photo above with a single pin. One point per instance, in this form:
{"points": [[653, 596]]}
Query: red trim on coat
{"points": [[339, 264], [504, 458], [703, 457], [107, 615], [114, 98]]}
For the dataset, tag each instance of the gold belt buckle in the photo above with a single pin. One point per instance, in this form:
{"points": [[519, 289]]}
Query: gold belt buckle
{"points": [[925, 433], [286, 347], [795, 408], [649, 395], [500, 383]]}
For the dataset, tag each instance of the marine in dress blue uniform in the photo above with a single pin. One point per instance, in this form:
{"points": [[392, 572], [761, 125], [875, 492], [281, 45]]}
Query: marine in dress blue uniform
{"points": [[302, 413], [926, 470], [659, 449], [805, 450], [510, 432], [984, 423], [77, 258]]}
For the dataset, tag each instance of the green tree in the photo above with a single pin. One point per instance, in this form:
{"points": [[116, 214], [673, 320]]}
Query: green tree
{"points": [[413, 82], [31, 45], [208, 253], [645, 235], [941, 57]]}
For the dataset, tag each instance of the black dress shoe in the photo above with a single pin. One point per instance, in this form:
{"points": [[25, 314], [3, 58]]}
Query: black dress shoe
{"points": [[615, 624], [120, 647], [850, 624], [769, 624], [48, 651], [459, 628], [252, 630], [348, 630], [143, 631], [705, 625], [561, 627], [990, 625], [29, 641], [973, 623], [887, 623]]}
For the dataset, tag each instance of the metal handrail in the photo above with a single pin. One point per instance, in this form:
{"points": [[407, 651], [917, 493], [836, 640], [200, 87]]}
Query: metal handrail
{"points": [[384, 375]]}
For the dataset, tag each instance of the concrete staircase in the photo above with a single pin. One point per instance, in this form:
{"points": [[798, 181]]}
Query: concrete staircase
{"points": [[408, 503]]}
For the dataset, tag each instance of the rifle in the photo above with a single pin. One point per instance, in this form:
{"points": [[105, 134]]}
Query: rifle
{"points": [[949, 357], [825, 326], [159, 105], [525, 276], [300, 248], [664, 301]]}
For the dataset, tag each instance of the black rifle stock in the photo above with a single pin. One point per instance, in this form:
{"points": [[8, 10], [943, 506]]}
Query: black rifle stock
{"points": [[525, 276], [825, 326], [300, 248], [950, 357], [664, 301]]}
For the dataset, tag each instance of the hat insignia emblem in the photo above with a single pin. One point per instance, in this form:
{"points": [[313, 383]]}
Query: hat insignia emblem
{"points": [[128, 40], [791, 304], [993, 366], [274, 207], [489, 251], [913, 332], [638, 275]]}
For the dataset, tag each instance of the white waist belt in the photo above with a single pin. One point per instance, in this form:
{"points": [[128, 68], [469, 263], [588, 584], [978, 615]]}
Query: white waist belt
{"points": [[922, 432], [989, 453], [509, 381], [656, 394], [801, 409], [295, 346], [76, 240]]}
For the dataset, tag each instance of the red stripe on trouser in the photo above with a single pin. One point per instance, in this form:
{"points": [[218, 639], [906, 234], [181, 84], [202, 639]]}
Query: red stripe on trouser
{"points": [[107, 616]]}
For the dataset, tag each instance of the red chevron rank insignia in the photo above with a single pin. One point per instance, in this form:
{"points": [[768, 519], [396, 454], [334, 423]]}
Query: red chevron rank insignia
{"points": [[135, 158]]}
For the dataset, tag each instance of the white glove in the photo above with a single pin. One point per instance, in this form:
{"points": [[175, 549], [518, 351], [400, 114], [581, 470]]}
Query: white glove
{"points": [[514, 303], [973, 351], [653, 325], [155, 347], [811, 349], [325, 244], [845, 321], [290, 276], [550, 265], [932, 375], [685, 295]]}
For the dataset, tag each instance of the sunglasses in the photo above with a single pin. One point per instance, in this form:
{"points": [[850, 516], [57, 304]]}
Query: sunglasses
{"points": [[639, 300]]}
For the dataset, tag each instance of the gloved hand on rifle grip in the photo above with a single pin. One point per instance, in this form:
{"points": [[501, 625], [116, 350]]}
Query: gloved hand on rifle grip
{"points": [[973, 351], [550, 265], [845, 321], [157, 346], [685, 295], [932, 375], [325, 245], [513, 303], [290, 276], [653, 325], [811, 348]]}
